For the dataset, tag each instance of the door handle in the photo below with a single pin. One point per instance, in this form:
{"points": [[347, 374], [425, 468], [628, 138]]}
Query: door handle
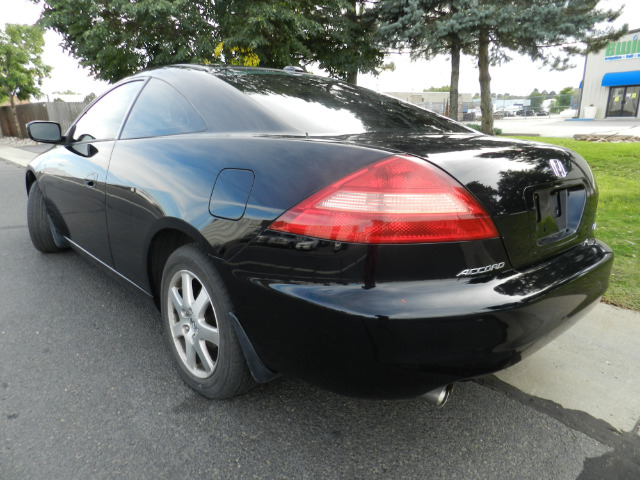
{"points": [[91, 181]]}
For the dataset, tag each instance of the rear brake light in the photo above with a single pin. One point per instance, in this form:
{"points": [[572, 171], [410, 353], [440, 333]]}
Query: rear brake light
{"points": [[397, 200]]}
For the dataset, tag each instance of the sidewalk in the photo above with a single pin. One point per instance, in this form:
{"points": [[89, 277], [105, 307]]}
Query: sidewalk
{"points": [[594, 367], [559, 127], [17, 155]]}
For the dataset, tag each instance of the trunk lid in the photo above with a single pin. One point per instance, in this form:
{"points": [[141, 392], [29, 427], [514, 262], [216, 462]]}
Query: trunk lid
{"points": [[542, 198]]}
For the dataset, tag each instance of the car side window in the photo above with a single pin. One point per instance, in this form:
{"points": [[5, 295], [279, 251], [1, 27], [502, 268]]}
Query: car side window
{"points": [[161, 110], [104, 119]]}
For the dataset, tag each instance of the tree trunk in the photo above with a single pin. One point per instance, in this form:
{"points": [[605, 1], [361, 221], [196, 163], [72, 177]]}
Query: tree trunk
{"points": [[455, 79], [14, 118], [352, 77], [486, 106]]}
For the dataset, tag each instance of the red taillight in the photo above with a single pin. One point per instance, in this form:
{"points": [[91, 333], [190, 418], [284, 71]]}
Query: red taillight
{"points": [[397, 200]]}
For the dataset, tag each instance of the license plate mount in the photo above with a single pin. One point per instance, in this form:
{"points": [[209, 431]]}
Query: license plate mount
{"points": [[558, 213]]}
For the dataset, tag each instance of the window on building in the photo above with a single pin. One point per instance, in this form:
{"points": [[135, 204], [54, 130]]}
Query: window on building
{"points": [[623, 101]]}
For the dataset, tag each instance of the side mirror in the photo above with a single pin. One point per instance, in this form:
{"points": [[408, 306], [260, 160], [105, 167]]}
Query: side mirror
{"points": [[45, 132]]}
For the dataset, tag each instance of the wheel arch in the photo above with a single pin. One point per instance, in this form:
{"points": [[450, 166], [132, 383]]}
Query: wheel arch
{"points": [[30, 179], [164, 242]]}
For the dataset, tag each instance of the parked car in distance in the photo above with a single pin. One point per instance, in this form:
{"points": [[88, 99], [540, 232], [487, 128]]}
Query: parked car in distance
{"points": [[289, 224], [525, 113], [504, 113]]}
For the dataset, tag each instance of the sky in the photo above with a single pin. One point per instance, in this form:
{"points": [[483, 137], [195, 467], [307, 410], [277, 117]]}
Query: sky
{"points": [[518, 77]]}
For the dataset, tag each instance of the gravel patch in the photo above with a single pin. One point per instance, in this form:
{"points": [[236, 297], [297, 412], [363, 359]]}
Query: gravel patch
{"points": [[607, 138], [16, 142]]}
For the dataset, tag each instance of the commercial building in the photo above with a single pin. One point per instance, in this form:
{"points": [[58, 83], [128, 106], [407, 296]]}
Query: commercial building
{"points": [[435, 101], [611, 83]]}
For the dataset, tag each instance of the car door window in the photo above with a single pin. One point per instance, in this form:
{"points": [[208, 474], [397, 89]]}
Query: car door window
{"points": [[161, 110], [104, 119]]}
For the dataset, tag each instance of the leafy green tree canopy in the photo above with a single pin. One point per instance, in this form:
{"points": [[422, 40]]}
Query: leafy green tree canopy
{"points": [[345, 45], [563, 99], [21, 67], [336, 34], [115, 38], [536, 98], [444, 88]]}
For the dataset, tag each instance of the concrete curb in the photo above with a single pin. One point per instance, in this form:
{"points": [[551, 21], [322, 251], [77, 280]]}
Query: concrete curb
{"points": [[17, 155]]}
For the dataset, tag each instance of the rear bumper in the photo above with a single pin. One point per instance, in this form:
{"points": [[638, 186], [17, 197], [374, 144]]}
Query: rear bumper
{"points": [[402, 339]]}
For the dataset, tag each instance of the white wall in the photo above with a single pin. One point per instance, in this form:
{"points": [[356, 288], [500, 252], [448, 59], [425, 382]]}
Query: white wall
{"points": [[593, 93]]}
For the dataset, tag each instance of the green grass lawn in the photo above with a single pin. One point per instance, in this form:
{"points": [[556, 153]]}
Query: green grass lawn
{"points": [[616, 167]]}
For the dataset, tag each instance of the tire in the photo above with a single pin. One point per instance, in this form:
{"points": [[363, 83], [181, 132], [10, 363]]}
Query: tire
{"points": [[197, 325], [43, 233]]}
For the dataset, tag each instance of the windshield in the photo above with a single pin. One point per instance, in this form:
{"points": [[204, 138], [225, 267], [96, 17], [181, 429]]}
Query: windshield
{"points": [[323, 106]]}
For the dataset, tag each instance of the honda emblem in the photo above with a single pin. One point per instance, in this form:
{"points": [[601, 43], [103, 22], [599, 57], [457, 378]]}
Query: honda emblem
{"points": [[558, 168]]}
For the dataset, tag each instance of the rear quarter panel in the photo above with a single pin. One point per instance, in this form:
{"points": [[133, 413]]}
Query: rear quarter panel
{"points": [[167, 182]]}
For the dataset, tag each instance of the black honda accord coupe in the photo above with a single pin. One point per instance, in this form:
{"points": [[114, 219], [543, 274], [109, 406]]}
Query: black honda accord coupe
{"points": [[290, 224]]}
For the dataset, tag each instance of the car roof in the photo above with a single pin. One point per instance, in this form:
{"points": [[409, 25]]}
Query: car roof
{"points": [[268, 101], [223, 107]]}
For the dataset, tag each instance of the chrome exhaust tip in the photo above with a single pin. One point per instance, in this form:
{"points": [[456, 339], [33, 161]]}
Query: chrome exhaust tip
{"points": [[439, 396]]}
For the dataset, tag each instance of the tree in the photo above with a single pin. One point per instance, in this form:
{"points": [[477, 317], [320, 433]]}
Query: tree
{"points": [[444, 88], [21, 67], [536, 99], [115, 38], [273, 31], [345, 43], [425, 28], [336, 34], [564, 99], [488, 29], [531, 28]]}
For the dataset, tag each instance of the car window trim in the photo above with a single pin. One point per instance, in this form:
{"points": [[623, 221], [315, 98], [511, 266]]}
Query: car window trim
{"points": [[71, 130], [135, 100], [144, 80]]}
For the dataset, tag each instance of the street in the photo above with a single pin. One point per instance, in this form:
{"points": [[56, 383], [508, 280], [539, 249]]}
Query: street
{"points": [[88, 391]]}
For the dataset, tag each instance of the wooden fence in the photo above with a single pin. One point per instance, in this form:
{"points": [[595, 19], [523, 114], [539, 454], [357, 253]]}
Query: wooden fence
{"points": [[64, 113]]}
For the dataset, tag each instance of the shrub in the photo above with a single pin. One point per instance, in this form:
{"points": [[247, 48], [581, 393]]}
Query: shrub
{"points": [[477, 126]]}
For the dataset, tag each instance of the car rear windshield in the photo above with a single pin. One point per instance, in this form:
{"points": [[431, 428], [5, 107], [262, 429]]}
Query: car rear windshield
{"points": [[322, 106]]}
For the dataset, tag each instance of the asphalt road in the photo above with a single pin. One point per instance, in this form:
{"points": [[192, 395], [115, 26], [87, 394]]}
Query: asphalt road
{"points": [[88, 391]]}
